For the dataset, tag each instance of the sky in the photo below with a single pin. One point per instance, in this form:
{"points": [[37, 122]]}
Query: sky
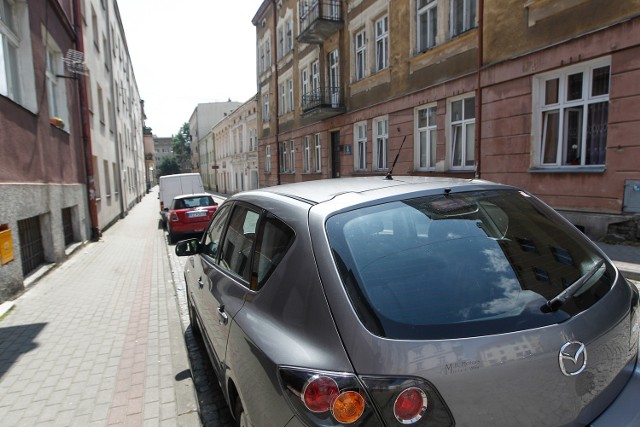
{"points": [[189, 52]]}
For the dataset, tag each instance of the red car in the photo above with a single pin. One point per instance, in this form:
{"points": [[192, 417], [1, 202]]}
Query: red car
{"points": [[189, 214]]}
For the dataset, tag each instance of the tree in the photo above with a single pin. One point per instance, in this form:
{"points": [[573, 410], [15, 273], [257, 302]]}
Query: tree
{"points": [[182, 147], [168, 166]]}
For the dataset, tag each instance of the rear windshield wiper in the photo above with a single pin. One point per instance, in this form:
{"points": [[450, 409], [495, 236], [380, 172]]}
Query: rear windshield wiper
{"points": [[556, 302]]}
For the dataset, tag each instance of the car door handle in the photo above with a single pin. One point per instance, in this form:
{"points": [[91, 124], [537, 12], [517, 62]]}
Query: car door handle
{"points": [[223, 318], [200, 282]]}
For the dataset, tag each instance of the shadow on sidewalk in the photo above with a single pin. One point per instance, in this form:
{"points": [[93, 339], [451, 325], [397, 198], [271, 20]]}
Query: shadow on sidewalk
{"points": [[16, 341]]}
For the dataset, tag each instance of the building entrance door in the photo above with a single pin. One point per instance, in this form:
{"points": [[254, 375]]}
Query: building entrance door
{"points": [[335, 154]]}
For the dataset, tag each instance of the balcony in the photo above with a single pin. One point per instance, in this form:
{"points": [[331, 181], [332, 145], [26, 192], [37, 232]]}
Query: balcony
{"points": [[323, 103], [319, 19]]}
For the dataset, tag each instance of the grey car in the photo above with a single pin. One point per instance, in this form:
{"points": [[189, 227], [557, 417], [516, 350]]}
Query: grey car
{"points": [[411, 301]]}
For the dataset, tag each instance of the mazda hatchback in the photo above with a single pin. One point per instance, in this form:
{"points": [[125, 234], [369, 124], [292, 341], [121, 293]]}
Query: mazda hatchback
{"points": [[411, 301]]}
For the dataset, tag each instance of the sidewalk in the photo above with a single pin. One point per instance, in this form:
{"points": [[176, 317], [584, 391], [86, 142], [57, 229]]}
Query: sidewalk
{"points": [[625, 257], [98, 340]]}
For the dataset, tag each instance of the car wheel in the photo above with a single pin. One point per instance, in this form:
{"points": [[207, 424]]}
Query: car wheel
{"points": [[171, 237], [241, 417], [195, 329]]}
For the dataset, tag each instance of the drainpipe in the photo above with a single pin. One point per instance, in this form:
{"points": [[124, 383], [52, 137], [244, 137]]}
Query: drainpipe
{"points": [[86, 130], [274, 38], [478, 135]]}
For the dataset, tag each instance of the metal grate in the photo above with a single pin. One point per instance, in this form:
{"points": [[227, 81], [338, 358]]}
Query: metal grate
{"points": [[67, 226], [31, 249]]}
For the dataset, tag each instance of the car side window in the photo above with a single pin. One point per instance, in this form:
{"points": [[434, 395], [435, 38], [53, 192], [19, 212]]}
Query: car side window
{"points": [[214, 232], [274, 239], [237, 248]]}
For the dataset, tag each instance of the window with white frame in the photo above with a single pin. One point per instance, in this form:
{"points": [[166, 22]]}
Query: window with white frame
{"points": [[360, 146], [382, 43], [282, 108], [267, 54], [317, 152], [380, 138], [292, 156], [289, 36], [306, 155], [304, 82], [283, 158], [290, 95], [315, 77], [426, 137], [267, 159], [280, 41], [572, 115], [360, 47], [56, 87], [427, 14], [100, 104], [463, 16], [265, 107], [462, 119]]}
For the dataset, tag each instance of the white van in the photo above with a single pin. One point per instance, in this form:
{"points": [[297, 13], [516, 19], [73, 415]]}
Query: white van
{"points": [[176, 185]]}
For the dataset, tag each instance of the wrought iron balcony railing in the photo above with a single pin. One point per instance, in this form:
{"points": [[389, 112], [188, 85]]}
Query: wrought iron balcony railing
{"points": [[319, 19], [327, 99]]}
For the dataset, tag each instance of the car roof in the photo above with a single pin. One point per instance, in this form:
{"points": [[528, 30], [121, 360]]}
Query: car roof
{"points": [[318, 191], [185, 196]]}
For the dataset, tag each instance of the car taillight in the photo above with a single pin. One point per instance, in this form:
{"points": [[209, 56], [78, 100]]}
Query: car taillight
{"points": [[408, 401], [328, 398], [410, 405], [174, 216], [319, 392]]}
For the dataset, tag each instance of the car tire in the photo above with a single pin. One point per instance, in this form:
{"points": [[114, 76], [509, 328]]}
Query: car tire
{"points": [[241, 418], [171, 237], [195, 329]]}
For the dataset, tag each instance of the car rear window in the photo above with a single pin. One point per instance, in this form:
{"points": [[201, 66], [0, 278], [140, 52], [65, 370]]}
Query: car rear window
{"points": [[461, 265], [193, 202]]}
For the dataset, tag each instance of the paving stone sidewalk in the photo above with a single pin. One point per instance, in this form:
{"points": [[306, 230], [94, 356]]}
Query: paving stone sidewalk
{"points": [[98, 341]]}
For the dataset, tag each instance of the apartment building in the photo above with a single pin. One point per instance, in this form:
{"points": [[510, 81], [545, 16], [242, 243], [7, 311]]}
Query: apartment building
{"points": [[537, 93], [115, 112], [235, 155], [43, 179]]}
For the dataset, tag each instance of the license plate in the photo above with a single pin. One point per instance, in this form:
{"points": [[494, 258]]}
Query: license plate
{"points": [[196, 214]]}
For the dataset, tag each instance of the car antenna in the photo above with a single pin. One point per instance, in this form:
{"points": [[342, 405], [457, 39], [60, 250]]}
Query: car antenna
{"points": [[395, 160]]}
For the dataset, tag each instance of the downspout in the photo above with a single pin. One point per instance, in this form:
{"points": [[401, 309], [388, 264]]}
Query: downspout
{"points": [[478, 135], [86, 130], [274, 38]]}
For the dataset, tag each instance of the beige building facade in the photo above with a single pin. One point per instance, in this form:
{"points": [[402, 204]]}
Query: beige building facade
{"points": [[235, 160]]}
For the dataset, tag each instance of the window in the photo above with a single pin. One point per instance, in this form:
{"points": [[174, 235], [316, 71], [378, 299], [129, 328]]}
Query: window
{"points": [[317, 153], [283, 158], [361, 55], [96, 177], [289, 36], [334, 77], [290, 97], [427, 24], [213, 234], [265, 107], [381, 129], [463, 16], [274, 239], [107, 179], [382, 43], [16, 67], [56, 88], [282, 108], [100, 105], [426, 138], [292, 156], [573, 115], [237, 248], [463, 127], [360, 148], [306, 156], [315, 77], [95, 29], [267, 159], [304, 82]]}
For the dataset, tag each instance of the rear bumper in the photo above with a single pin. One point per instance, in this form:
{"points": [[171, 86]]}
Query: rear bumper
{"points": [[625, 410]]}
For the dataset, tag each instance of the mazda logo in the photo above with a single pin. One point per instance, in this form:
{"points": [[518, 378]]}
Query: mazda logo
{"points": [[572, 358]]}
